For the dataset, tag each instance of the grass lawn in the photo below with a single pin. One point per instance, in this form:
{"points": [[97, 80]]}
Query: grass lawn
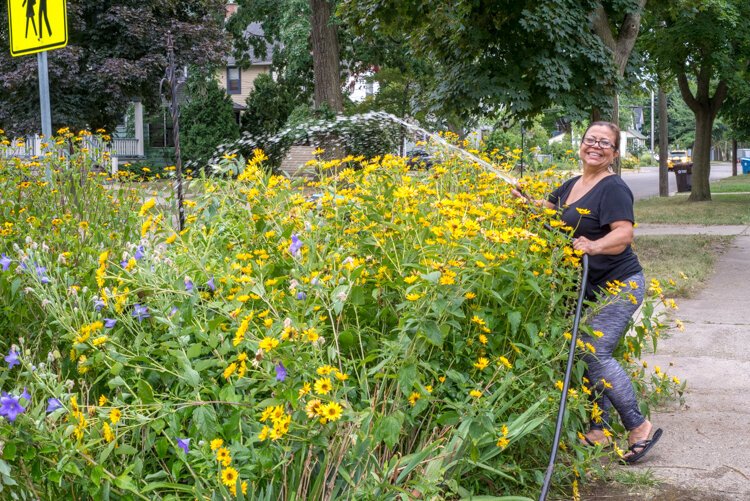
{"points": [[686, 259], [722, 209]]}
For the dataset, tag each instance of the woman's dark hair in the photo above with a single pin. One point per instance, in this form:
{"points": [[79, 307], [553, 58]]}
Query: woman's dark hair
{"points": [[613, 127]]}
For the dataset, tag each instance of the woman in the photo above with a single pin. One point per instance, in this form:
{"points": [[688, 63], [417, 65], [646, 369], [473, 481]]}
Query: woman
{"points": [[599, 205]]}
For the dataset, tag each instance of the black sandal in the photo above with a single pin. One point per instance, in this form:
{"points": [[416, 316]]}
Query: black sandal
{"points": [[640, 448]]}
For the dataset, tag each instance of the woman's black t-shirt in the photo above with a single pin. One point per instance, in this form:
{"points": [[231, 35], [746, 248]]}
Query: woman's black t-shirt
{"points": [[608, 201]]}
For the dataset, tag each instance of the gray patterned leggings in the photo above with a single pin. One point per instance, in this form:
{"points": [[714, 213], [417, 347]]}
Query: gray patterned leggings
{"points": [[612, 319]]}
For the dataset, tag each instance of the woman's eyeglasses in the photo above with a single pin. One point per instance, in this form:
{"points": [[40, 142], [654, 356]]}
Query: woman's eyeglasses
{"points": [[602, 143]]}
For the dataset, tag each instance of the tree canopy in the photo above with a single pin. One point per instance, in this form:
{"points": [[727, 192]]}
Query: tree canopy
{"points": [[704, 45], [116, 52]]}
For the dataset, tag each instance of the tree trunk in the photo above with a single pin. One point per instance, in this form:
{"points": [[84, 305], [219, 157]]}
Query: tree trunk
{"points": [[325, 51], [663, 145], [701, 156], [705, 108], [734, 157]]}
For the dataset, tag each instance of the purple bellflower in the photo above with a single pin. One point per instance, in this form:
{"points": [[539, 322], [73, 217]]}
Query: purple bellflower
{"points": [[10, 408], [140, 312], [184, 444], [280, 372], [53, 404], [5, 262], [12, 358], [295, 246], [139, 253], [109, 323]]}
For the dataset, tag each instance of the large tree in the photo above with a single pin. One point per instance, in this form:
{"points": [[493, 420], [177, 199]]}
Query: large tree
{"points": [[116, 52], [705, 45]]}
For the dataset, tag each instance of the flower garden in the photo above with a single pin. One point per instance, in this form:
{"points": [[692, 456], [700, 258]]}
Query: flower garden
{"points": [[380, 333]]}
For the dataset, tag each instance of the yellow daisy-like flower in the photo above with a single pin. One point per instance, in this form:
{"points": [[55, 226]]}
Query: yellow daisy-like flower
{"points": [[229, 370], [264, 433], [331, 411], [411, 279], [312, 409], [229, 476], [502, 442], [470, 295], [414, 397], [413, 296], [107, 432], [324, 370], [323, 386], [304, 390], [268, 343], [482, 363], [102, 401], [147, 206], [223, 456], [483, 339], [505, 362], [582, 211], [115, 415], [475, 393], [216, 443]]}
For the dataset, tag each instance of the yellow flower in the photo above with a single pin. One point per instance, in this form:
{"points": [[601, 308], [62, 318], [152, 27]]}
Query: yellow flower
{"points": [[304, 390], [597, 333], [323, 386], [107, 431], [216, 443], [475, 393], [482, 363], [264, 433], [312, 409], [229, 370], [483, 339], [147, 206], [502, 442], [470, 295], [229, 476], [102, 401], [505, 362], [411, 279], [414, 397], [331, 411], [324, 370], [413, 296], [583, 211], [223, 456], [115, 415], [268, 344]]}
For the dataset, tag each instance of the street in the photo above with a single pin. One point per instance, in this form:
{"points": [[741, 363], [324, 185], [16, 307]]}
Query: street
{"points": [[645, 182]]}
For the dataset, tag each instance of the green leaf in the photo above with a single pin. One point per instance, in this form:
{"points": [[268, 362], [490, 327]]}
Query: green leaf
{"points": [[433, 333], [9, 451], [116, 369], [406, 377], [204, 419], [145, 392], [514, 317], [388, 429]]}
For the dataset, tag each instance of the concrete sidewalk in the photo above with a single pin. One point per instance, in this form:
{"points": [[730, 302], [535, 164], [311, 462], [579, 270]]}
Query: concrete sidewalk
{"points": [[705, 449]]}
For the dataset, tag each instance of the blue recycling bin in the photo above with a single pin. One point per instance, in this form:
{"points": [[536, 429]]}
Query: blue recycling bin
{"points": [[745, 165]]}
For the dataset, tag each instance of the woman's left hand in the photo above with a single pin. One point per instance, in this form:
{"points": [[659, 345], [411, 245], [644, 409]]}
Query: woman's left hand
{"points": [[585, 245]]}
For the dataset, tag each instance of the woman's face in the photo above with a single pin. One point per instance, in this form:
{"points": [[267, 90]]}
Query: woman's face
{"points": [[596, 156]]}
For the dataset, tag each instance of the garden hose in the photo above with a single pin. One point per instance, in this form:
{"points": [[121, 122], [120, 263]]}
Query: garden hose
{"points": [[566, 380]]}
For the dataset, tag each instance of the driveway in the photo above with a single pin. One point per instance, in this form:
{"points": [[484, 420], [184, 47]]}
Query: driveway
{"points": [[645, 182]]}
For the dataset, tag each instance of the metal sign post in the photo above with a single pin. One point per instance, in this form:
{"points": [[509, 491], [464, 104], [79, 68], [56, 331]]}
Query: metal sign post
{"points": [[41, 58]]}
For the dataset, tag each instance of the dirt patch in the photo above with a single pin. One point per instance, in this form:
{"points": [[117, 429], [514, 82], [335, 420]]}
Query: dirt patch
{"points": [[663, 492]]}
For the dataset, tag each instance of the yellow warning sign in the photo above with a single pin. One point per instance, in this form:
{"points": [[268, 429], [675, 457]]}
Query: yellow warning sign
{"points": [[37, 25]]}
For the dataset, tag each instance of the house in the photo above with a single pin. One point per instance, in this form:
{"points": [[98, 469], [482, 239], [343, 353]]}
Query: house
{"points": [[238, 81]]}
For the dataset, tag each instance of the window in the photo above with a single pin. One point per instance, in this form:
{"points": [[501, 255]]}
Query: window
{"points": [[233, 80]]}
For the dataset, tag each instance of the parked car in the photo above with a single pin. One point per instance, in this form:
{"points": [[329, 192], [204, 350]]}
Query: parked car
{"points": [[678, 157], [419, 158]]}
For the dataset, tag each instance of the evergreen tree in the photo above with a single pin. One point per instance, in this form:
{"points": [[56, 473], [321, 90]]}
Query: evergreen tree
{"points": [[206, 119]]}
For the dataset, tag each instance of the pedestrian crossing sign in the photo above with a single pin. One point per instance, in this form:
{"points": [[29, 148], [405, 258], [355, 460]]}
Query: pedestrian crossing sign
{"points": [[37, 25]]}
